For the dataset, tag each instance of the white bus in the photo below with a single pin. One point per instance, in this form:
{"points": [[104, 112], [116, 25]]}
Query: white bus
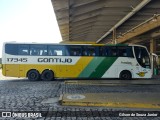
{"points": [[49, 61]]}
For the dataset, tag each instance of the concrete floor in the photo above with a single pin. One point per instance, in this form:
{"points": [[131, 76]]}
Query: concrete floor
{"points": [[21, 95]]}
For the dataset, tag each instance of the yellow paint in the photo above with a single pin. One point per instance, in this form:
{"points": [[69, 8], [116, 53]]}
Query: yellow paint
{"points": [[20, 70], [112, 104], [126, 100], [11, 70], [77, 42], [141, 74], [112, 82]]}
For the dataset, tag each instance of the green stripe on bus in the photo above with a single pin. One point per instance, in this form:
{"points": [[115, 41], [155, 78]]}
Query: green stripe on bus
{"points": [[97, 67], [103, 67], [91, 67]]}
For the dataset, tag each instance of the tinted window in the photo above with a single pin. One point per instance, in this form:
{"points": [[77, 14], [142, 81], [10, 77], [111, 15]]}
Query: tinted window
{"points": [[142, 57], [124, 51], [116, 51], [58, 50], [23, 50], [38, 50], [108, 51], [11, 49], [74, 50], [90, 50], [113, 51]]}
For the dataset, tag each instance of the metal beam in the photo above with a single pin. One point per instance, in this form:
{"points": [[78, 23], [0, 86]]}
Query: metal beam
{"points": [[137, 8], [145, 27], [155, 35]]}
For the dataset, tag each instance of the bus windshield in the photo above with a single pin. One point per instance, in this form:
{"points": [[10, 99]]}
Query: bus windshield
{"points": [[142, 57]]}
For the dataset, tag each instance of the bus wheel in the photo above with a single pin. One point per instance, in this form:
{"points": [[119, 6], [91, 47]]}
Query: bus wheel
{"points": [[33, 75], [47, 75], [125, 75]]}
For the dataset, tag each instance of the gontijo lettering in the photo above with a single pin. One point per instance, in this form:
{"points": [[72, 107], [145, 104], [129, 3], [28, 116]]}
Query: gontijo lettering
{"points": [[55, 60]]}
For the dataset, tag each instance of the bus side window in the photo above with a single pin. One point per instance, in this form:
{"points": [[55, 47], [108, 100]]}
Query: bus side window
{"points": [[125, 51], [122, 51], [23, 50], [44, 52], [101, 51], [91, 50], [113, 51], [85, 53], [54, 53], [38, 50], [50, 52], [56, 50], [11, 49], [107, 51], [33, 52], [74, 50], [104, 51]]}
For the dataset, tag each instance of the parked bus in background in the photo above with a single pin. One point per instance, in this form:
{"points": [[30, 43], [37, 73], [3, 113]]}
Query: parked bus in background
{"points": [[49, 61]]}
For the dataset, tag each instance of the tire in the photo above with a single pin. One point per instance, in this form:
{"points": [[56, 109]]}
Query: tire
{"points": [[125, 75], [47, 75], [33, 75]]}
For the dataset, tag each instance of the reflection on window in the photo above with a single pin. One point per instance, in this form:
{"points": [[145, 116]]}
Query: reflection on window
{"points": [[38, 50], [90, 51], [56, 50], [74, 50], [142, 57], [113, 51], [125, 51], [23, 50]]}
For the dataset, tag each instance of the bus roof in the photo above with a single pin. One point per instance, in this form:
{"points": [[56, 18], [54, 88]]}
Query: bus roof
{"points": [[94, 44]]}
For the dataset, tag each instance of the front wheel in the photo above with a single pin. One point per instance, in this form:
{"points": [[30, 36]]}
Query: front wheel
{"points": [[125, 75], [33, 75], [47, 75]]}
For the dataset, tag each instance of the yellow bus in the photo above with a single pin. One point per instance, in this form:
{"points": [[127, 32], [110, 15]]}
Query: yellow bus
{"points": [[49, 61]]}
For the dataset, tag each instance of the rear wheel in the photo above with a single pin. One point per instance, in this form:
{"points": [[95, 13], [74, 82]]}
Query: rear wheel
{"points": [[47, 75], [33, 75], [125, 75]]}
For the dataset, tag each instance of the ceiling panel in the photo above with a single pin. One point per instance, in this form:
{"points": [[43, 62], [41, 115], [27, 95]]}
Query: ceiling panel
{"points": [[90, 20]]}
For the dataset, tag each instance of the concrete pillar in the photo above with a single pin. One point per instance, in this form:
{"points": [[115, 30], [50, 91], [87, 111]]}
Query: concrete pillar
{"points": [[152, 46]]}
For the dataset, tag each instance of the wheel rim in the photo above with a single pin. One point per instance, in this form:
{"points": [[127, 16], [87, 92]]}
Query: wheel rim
{"points": [[47, 75], [125, 76], [33, 75]]}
